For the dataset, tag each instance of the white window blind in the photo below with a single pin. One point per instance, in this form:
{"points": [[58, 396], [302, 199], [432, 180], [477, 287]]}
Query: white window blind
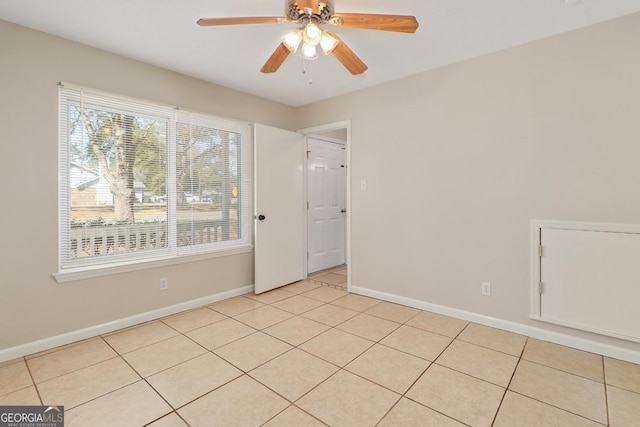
{"points": [[212, 191], [145, 181]]}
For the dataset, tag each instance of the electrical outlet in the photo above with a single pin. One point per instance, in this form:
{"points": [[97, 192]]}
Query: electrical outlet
{"points": [[486, 289], [164, 284]]}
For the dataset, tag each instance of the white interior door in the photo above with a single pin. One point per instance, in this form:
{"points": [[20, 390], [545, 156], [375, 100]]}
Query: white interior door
{"points": [[279, 207], [327, 204]]}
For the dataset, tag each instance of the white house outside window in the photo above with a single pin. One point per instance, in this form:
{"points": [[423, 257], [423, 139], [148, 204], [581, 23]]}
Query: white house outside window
{"points": [[141, 181]]}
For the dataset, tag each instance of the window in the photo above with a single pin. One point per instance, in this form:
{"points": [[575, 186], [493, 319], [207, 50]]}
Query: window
{"points": [[142, 182]]}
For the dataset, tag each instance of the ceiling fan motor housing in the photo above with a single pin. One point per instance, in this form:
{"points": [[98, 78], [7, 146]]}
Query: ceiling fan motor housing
{"points": [[297, 10]]}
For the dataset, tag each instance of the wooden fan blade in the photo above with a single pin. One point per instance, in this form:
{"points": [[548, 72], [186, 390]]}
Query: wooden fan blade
{"points": [[276, 59], [346, 56], [397, 23], [209, 22]]}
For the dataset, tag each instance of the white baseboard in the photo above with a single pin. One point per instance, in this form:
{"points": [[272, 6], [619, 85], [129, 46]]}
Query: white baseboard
{"points": [[541, 334], [93, 331]]}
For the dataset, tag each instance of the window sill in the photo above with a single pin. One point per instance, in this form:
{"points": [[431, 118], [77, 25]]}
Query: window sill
{"points": [[81, 273]]}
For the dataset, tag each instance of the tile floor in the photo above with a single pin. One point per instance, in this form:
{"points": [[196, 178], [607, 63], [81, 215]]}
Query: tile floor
{"points": [[313, 355], [332, 277]]}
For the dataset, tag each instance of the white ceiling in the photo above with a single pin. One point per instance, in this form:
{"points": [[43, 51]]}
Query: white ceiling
{"points": [[164, 33]]}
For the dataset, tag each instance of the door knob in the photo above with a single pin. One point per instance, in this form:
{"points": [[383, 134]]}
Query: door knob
{"points": [[261, 217], [343, 210]]}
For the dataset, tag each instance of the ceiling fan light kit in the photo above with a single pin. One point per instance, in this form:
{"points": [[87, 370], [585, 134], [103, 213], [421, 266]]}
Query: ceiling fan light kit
{"points": [[311, 16]]}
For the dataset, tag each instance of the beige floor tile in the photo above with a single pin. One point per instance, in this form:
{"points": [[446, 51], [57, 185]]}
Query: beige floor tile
{"points": [[495, 339], [483, 363], [171, 420], [263, 317], [131, 406], [293, 416], [340, 270], [252, 351], [293, 374], [83, 385], [243, 402], [165, 354], [296, 330], [566, 391], [234, 306], [566, 359], [220, 333], [141, 336], [624, 407], [271, 296], [356, 302], [369, 327], [185, 322], [394, 312], [325, 294], [318, 273], [27, 396], [297, 304], [12, 362], [389, 368], [55, 349], [459, 396], [330, 314], [14, 377], [622, 374], [408, 413], [348, 400], [332, 279], [426, 345], [518, 410], [336, 346], [437, 323], [192, 379], [69, 359], [301, 287]]}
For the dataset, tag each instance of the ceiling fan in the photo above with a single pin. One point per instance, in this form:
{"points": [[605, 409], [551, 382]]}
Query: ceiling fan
{"points": [[311, 16]]}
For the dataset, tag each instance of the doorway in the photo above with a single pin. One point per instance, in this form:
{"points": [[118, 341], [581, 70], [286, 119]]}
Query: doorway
{"points": [[327, 207], [279, 261], [327, 180]]}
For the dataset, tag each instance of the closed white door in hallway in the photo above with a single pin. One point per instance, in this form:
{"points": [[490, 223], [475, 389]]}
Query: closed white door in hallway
{"points": [[327, 204]]}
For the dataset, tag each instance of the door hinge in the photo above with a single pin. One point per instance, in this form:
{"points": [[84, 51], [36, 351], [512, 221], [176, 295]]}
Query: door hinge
{"points": [[308, 152], [307, 205], [540, 251], [540, 288], [307, 256]]}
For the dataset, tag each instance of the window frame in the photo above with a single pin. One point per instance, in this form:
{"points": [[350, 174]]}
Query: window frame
{"points": [[88, 267]]}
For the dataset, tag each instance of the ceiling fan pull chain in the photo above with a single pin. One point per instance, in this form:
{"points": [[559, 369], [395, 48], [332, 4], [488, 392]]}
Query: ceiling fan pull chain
{"points": [[305, 71]]}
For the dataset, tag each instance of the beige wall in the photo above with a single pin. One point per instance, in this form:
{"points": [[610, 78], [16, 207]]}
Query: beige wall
{"points": [[459, 160], [34, 306]]}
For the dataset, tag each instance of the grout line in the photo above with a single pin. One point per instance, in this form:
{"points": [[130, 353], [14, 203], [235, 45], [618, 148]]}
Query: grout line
{"points": [[606, 391], [556, 407], [165, 416], [33, 381], [404, 395], [506, 389], [563, 371]]}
